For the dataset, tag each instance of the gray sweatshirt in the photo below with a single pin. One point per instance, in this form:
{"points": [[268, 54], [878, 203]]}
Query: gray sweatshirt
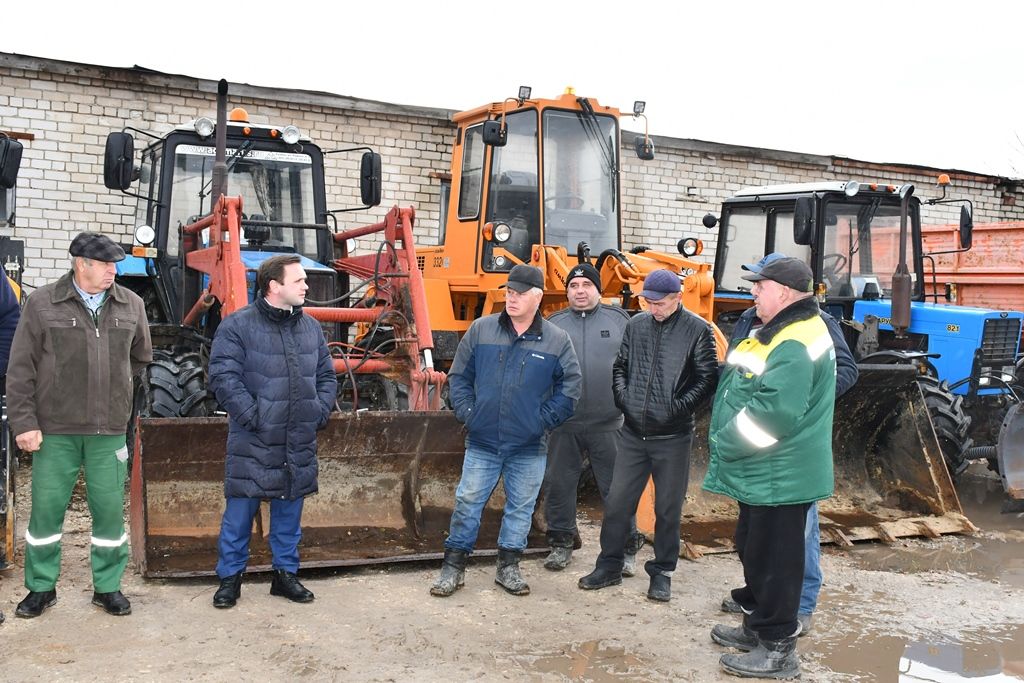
{"points": [[596, 336]]}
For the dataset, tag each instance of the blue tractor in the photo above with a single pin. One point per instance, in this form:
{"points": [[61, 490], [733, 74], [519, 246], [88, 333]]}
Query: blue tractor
{"points": [[864, 246]]}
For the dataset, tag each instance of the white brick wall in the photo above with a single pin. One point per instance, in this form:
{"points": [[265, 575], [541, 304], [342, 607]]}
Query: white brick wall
{"points": [[70, 108]]}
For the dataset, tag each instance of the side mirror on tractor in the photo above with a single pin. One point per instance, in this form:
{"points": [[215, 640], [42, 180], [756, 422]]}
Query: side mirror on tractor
{"points": [[10, 161], [370, 179], [803, 221], [966, 227], [644, 148], [494, 134], [118, 157]]}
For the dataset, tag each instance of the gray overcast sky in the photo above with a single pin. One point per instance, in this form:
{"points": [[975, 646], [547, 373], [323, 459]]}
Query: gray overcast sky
{"points": [[934, 83]]}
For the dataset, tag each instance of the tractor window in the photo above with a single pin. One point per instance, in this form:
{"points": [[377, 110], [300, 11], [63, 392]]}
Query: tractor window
{"points": [[513, 195], [274, 186], [580, 195], [149, 186], [860, 245], [746, 233], [471, 183]]}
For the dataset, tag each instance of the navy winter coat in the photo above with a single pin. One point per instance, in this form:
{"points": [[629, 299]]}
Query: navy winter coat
{"points": [[510, 390], [271, 371]]}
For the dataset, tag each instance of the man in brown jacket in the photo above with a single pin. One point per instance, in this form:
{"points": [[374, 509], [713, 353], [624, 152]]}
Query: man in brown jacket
{"points": [[80, 341]]}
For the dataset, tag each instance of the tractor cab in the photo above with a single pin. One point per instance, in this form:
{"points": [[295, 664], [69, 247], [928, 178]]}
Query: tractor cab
{"points": [[848, 233], [529, 172], [279, 176]]}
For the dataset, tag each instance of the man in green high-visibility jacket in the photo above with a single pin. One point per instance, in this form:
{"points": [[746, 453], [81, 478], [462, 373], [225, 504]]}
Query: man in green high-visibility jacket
{"points": [[770, 442]]}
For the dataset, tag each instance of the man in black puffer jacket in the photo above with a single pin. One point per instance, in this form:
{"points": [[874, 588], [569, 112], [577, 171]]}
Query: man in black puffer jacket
{"points": [[667, 365], [271, 371]]}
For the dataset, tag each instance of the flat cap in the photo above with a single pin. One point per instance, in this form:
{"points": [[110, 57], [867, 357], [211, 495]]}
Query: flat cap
{"points": [[95, 246], [660, 283]]}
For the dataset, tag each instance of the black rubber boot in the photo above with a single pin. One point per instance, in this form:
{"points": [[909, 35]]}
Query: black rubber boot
{"points": [[739, 637], [453, 573], [507, 575], [660, 588], [770, 659]]}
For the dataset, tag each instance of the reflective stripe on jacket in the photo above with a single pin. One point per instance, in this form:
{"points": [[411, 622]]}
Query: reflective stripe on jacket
{"points": [[771, 426]]}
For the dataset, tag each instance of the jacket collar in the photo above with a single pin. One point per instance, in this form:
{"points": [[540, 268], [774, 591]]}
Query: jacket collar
{"points": [[275, 314], [804, 309], [64, 289], [535, 327]]}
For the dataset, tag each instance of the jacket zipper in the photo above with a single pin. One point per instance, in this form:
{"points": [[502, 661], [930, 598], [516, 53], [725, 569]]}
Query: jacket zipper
{"points": [[650, 376]]}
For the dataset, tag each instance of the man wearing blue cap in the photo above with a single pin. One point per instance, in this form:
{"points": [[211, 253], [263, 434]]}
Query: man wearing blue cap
{"points": [[846, 377], [666, 366], [80, 341]]}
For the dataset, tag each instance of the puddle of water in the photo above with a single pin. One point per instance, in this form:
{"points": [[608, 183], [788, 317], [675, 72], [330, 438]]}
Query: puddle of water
{"points": [[981, 495], [591, 661], [991, 655]]}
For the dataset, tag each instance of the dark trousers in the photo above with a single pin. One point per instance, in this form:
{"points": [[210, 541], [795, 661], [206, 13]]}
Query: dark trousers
{"points": [[770, 543], [561, 481], [667, 461]]}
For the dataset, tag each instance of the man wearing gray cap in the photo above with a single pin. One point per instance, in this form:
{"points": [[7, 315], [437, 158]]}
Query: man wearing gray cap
{"points": [[596, 333], [80, 341], [666, 367], [515, 377], [770, 443]]}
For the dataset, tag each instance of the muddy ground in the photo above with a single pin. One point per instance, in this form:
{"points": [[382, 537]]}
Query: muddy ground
{"points": [[920, 608]]}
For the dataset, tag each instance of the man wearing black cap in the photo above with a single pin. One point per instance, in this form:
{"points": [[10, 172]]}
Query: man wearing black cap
{"points": [[846, 377], [665, 368], [515, 377], [596, 333], [80, 341], [770, 443]]}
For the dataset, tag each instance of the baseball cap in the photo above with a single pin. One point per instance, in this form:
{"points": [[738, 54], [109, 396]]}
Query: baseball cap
{"points": [[765, 260], [659, 283], [787, 271], [584, 270], [93, 245], [522, 278]]}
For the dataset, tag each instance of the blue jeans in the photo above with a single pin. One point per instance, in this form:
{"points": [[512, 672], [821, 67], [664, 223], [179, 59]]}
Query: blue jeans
{"points": [[522, 475], [812, 562], [236, 529]]}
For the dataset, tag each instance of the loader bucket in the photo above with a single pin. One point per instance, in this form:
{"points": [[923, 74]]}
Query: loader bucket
{"points": [[890, 478], [386, 489]]}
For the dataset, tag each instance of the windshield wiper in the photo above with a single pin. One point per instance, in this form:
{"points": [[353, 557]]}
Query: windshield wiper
{"points": [[236, 156], [592, 127]]}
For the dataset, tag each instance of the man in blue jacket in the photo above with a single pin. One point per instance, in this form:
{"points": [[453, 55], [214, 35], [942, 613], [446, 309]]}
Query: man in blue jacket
{"points": [[515, 377], [271, 371]]}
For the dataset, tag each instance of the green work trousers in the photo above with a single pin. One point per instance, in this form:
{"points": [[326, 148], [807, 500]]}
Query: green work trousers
{"points": [[55, 468]]}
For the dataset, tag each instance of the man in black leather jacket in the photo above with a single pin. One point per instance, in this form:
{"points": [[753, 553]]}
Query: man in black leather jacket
{"points": [[666, 367]]}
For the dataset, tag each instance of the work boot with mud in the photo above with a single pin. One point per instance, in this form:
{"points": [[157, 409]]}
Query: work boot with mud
{"points": [[633, 546], [229, 591], [286, 585], [730, 606], [770, 659], [453, 573], [558, 559], [508, 575], [660, 588], [739, 637], [806, 623]]}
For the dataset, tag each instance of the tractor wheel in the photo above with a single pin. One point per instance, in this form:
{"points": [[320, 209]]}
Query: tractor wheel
{"points": [[173, 385], [950, 422]]}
